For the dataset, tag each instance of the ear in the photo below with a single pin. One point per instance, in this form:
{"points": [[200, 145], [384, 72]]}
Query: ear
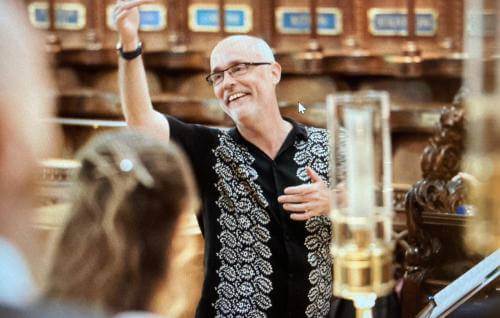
{"points": [[276, 72]]}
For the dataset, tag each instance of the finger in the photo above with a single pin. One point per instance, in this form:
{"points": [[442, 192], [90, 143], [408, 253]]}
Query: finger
{"points": [[298, 207], [292, 198], [300, 189], [313, 175], [117, 10], [122, 15], [134, 3], [301, 216]]}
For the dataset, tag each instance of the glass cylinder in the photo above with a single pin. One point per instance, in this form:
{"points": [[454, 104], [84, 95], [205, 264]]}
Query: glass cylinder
{"points": [[362, 194], [481, 77]]}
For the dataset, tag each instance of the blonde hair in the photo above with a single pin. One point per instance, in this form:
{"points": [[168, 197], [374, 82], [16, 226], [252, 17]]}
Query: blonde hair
{"points": [[129, 195]]}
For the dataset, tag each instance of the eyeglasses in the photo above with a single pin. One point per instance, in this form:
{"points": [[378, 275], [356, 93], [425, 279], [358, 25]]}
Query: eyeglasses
{"points": [[237, 70]]}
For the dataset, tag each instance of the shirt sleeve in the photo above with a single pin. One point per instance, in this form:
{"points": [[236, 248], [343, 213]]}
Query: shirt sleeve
{"points": [[197, 142]]}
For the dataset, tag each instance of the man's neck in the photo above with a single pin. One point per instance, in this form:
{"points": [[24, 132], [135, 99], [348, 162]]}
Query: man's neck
{"points": [[268, 133]]}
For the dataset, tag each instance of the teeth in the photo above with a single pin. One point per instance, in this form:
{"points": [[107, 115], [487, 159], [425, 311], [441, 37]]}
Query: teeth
{"points": [[235, 96]]}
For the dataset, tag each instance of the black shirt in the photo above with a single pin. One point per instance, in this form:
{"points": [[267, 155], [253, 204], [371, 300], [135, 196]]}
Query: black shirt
{"points": [[258, 262]]}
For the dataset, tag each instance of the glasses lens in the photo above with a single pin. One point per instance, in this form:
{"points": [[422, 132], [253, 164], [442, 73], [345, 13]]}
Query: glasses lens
{"points": [[215, 78], [238, 69]]}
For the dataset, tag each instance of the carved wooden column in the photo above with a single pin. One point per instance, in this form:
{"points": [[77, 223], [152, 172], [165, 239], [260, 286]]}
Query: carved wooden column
{"points": [[53, 41], [222, 18], [438, 193], [314, 44], [95, 24]]}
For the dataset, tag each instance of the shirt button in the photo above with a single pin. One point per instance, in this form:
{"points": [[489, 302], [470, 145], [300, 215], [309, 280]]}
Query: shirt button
{"points": [[290, 275], [287, 237]]}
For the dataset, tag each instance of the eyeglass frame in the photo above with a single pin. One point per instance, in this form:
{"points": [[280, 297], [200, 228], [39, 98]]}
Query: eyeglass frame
{"points": [[211, 83]]}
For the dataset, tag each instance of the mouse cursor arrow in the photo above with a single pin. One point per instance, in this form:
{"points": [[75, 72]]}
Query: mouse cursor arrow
{"points": [[302, 109]]}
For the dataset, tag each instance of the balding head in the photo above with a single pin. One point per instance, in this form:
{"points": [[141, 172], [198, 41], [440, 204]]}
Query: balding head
{"points": [[255, 83], [253, 46]]}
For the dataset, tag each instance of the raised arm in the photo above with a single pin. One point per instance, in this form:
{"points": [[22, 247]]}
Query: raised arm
{"points": [[134, 92]]}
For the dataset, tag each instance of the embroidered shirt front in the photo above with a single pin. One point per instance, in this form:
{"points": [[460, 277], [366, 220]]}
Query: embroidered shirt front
{"points": [[258, 262]]}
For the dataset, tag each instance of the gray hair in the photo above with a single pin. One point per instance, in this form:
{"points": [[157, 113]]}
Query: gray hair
{"points": [[253, 43]]}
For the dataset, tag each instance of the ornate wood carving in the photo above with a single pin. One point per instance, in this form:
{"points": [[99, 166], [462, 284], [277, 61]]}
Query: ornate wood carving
{"points": [[438, 192]]}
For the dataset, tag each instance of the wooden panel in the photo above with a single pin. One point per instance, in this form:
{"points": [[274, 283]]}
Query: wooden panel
{"points": [[387, 25], [157, 25], [203, 21], [72, 20], [293, 25]]}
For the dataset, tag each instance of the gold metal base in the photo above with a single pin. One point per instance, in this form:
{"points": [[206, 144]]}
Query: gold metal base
{"points": [[364, 313], [363, 271], [364, 305]]}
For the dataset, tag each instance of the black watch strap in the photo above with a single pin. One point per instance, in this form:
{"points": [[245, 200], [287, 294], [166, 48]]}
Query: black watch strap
{"points": [[130, 55]]}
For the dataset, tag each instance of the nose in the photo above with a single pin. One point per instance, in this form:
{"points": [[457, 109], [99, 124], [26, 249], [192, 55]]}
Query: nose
{"points": [[227, 85], [227, 80]]}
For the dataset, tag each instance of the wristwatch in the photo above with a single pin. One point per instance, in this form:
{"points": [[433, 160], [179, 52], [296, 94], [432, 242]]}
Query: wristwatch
{"points": [[131, 54]]}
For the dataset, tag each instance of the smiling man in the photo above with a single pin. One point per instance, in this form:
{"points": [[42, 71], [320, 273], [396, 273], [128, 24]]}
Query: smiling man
{"points": [[263, 183]]}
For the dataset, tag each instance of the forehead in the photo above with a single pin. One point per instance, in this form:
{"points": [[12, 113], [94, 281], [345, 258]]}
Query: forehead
{"points": [[228, 53]]}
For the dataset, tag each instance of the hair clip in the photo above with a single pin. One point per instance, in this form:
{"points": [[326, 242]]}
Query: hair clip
{"points": [[126, 165]]}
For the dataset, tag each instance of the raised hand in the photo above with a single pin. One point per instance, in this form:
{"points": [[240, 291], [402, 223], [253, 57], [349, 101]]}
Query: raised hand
{"points": [[126, 19]]}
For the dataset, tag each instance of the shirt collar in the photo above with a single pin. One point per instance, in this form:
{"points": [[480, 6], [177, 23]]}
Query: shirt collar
{"points": [[298, 131]]}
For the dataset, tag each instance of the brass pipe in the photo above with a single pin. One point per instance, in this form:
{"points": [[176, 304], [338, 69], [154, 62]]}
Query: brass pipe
{"points": [[364, 313], [364, 306]]}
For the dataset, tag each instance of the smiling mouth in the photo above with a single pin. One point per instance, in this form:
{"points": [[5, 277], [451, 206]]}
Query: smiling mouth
{"points": [[235, 97]]}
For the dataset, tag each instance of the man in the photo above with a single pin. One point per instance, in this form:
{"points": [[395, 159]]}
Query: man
{"points": [[262, 183]]}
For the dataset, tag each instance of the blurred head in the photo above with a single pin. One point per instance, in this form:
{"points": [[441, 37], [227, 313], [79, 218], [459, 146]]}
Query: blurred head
{"points": [[26, 93], [249, 94], [129, 196]]}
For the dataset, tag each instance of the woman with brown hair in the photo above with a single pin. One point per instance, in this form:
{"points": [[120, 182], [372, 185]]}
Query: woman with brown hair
{"points": [[115, 250]]}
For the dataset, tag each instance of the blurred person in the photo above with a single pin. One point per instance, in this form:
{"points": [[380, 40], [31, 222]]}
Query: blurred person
{"points": [[115, 251], [25, 98], [26, 93]]}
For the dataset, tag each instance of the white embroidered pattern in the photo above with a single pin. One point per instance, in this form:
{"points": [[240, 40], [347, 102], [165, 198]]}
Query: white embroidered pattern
{"points": [[314, 153], [244, 275]]}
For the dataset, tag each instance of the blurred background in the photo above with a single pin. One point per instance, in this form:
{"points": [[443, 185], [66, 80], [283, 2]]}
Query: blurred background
{"points": [[417, 50]]}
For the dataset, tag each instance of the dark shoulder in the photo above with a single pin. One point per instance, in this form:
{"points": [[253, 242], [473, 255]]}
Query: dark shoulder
{"points": [[176, 123]]}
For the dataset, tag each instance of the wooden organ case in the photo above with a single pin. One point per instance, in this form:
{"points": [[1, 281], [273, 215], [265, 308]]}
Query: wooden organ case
{"points": [[411, 48], [438, 214]]}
